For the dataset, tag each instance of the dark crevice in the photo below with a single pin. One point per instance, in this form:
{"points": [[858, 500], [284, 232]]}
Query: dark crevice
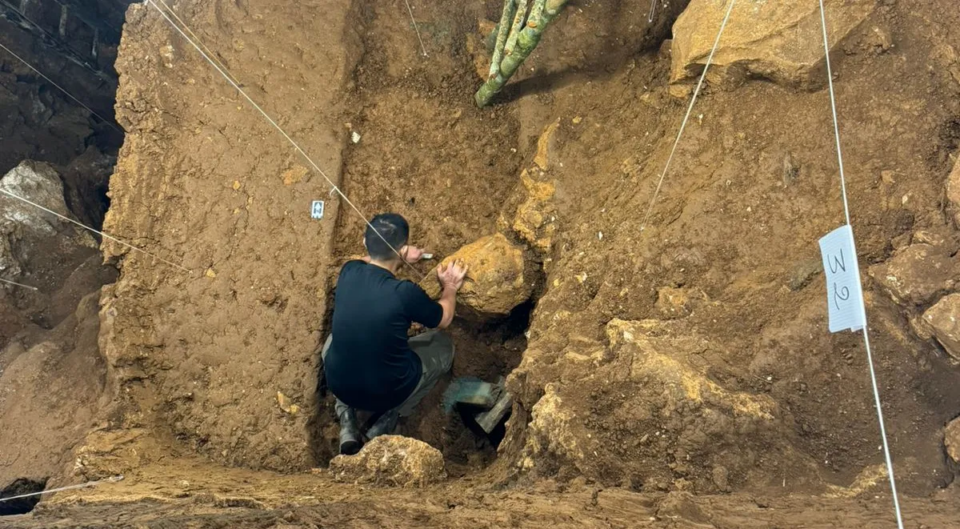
{"points": [[19, 487]]}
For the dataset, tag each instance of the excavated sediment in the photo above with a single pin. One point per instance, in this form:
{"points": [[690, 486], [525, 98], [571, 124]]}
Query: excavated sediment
{"points": [[690, 357]]}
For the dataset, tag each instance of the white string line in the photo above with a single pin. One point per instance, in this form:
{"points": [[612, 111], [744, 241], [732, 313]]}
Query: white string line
{"points": [[863, 305], [653, 10], [415, 27], [296, 146], [112, 479], [683, 125], [18, 284], [90, 110], [833, 109], [98, 232]]}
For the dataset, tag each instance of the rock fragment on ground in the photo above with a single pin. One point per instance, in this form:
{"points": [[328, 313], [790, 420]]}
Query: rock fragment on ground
{"points": [[941, 319], [915, 275], [498, 279], [780, 41], [391, 460]]}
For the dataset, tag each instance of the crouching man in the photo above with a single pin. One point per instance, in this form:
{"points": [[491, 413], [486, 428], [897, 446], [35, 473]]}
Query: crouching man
{"points": [[369, 362]]}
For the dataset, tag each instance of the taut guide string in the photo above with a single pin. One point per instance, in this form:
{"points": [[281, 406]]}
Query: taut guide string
{"points": [[38, 72], [863, 306], [294, 144], [686, 117], [846, 210], [98, 232], [416, 28]]}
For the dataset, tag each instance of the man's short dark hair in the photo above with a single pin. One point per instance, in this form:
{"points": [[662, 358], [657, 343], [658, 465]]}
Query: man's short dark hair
{"points": [[394, 229]]}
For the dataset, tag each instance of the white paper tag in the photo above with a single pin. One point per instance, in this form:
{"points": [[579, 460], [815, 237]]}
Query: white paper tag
{"points": [[844, 292], [316, 210]]}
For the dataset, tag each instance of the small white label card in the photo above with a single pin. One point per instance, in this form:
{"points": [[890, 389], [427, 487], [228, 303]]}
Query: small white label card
{"points": [[316, 210], [844, 292]]}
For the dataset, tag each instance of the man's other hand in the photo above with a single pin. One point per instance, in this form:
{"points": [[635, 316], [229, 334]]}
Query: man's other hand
{"points": [[412, 254], [452, 275]]}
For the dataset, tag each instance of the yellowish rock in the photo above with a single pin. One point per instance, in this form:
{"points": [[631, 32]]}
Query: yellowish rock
{"points": [[294, 175], [498, 277], [545, 145], [535, 220], [391, 460], [286, 405]]}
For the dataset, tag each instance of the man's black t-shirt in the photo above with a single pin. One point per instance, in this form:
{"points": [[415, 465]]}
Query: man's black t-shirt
{"points": [[370, 365]]}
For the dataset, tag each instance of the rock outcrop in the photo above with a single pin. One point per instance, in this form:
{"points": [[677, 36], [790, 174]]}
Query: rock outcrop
{"points": [[499, 278], [27, 234], [640, 405], [391, 460], [780, 41]]}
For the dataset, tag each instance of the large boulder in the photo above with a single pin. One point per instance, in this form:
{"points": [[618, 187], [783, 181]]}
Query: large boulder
{"points": [[941, 319], [915, 275], [28, 235], [499, 278], [391, 460], [780, 41]]}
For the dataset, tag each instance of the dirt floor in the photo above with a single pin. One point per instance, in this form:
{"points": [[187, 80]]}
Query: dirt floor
{"points": [[673, 373], [189, 493]]}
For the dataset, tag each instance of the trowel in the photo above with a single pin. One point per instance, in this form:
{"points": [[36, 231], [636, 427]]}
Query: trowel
{"points": [[492, 399]]}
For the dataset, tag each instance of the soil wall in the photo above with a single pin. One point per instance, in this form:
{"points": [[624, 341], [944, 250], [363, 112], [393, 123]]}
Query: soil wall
{"points": [[722, 290], [204, 181], [688, 353]]}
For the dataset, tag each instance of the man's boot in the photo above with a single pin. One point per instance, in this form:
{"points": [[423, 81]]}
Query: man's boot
{"points": [[349, 432], [385, 425]]}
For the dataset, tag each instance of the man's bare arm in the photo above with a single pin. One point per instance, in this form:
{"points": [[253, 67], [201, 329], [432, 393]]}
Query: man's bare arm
{"points": [[451, 277], [448, 300]]}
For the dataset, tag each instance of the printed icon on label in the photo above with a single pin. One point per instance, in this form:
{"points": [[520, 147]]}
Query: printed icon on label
{"points": [[316, 211]]}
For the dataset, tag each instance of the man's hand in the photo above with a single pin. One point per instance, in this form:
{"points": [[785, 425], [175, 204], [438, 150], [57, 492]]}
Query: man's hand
{"points": [[452, 275], [412, 254]]}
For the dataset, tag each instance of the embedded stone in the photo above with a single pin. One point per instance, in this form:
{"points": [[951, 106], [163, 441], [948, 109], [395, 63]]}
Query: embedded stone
{"points": [[941, 319], [782, 41], [917, 274]]}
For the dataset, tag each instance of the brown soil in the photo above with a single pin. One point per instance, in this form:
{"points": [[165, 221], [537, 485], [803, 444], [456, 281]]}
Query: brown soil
{"points": [[198, 358], [190, 493]]}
